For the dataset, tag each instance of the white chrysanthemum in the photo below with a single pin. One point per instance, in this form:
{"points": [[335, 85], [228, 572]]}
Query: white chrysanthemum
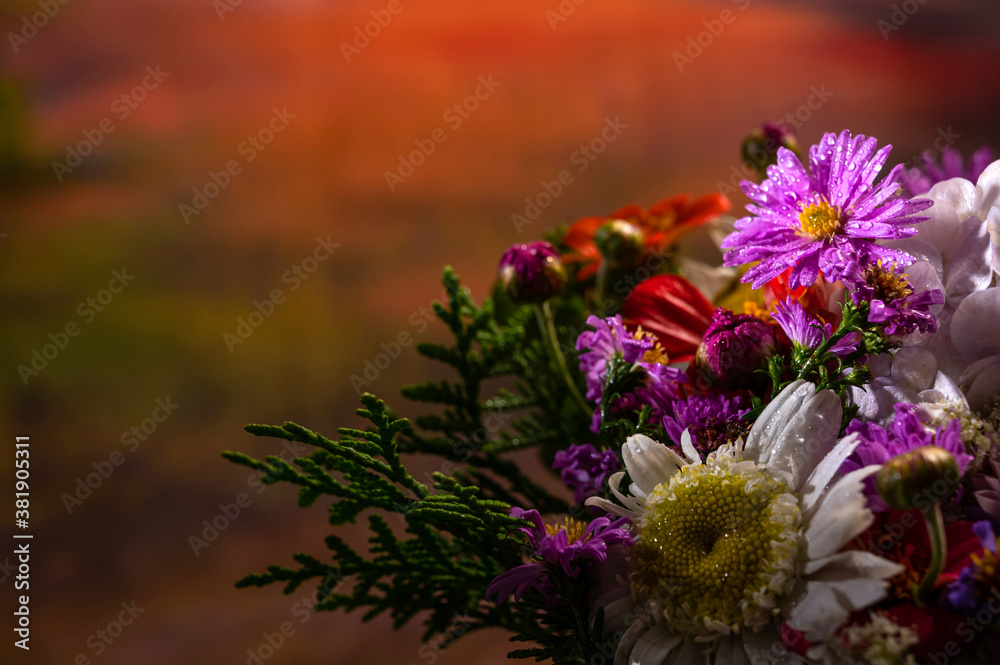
{"points": [[957, 251], [727, 548]]}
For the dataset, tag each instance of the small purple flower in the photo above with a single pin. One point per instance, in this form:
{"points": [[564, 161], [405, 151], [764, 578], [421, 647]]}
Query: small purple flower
{"points": [[809, 332], [968, 593], [920, 179], [584, 469], [531, 273], [827, 219], [906, 432], [892, 302], [712, 419], [568, 549], [733, 347], [598, 347], [659, 383]]}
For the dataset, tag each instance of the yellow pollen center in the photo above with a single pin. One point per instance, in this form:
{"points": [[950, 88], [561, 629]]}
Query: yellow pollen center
{"points": [[657, 354], [575, 530], [819, 220], [887, 284], [715, 549]]}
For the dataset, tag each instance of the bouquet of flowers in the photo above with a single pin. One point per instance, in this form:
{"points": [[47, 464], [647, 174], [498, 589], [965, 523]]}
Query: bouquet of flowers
{"points": [[774, 439]]}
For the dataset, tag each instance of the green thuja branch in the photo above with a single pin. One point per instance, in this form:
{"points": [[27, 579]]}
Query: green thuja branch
{"points": [[455, 544], [498, 343], [436, 543]]}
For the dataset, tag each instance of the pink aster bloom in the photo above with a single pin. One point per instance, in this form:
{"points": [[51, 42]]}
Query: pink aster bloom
{"points": [[566, 549], [827, 219]]}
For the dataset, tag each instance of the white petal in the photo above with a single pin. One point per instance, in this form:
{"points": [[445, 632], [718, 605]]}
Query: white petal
{"points": [[914, 369], [850, 564], [633, 507], [649, 462], [796, 430], [993, 225], [968, 265], [982, 382], [988, 189], [690, 653], [824, 472], [842, 514], [687, 446], [634, 632], [958, 193], [655, 645], [974, 329], [730, 651], [814, 609]]}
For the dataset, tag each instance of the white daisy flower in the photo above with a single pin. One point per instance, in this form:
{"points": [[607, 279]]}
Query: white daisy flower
{"points": [[728, 548]]}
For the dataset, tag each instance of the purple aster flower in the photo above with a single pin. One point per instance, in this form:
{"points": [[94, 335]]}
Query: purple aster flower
{"points": [[970, 592], [906, 432], [827, 219], [597, 348], [567, 549], [712, 419], [531, 273], [584, 469], [733, 347], [659, 382], [809, 332], [920, 179], [892, 302]]}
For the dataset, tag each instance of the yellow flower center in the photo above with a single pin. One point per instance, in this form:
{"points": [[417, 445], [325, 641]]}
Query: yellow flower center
{"points": [[819, 221], [575, 530], [657, 354], [716, 546], [888, 285]]}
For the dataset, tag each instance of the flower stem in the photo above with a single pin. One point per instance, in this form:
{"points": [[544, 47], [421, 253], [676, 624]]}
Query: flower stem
{"points": [[547, 326], [599, 286], [939, 551]]}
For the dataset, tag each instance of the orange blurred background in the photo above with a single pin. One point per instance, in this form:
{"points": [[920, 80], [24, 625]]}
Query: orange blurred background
{"points": [[117, 114]]}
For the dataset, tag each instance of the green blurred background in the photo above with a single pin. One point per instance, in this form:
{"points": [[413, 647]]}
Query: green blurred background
{"points": [[224, 67]]}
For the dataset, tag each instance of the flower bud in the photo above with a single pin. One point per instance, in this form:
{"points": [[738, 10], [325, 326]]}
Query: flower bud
{"points": [[760, 147], [621, 243], [531, 273], [733, 347], [918, 478]]}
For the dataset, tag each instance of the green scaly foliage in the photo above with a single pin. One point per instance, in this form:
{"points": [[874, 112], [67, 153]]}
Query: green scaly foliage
{"points": [[457, 535]]}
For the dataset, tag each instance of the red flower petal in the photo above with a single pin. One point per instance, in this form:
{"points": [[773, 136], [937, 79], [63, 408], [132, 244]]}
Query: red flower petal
{"points": [[674, 310]]}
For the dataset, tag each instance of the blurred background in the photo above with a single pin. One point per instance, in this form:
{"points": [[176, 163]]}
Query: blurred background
{"points": [[168, 164]]}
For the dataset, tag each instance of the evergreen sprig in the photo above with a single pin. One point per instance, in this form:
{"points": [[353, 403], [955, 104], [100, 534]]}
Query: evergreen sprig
{"points": [[436, 548], [456, 543]]}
